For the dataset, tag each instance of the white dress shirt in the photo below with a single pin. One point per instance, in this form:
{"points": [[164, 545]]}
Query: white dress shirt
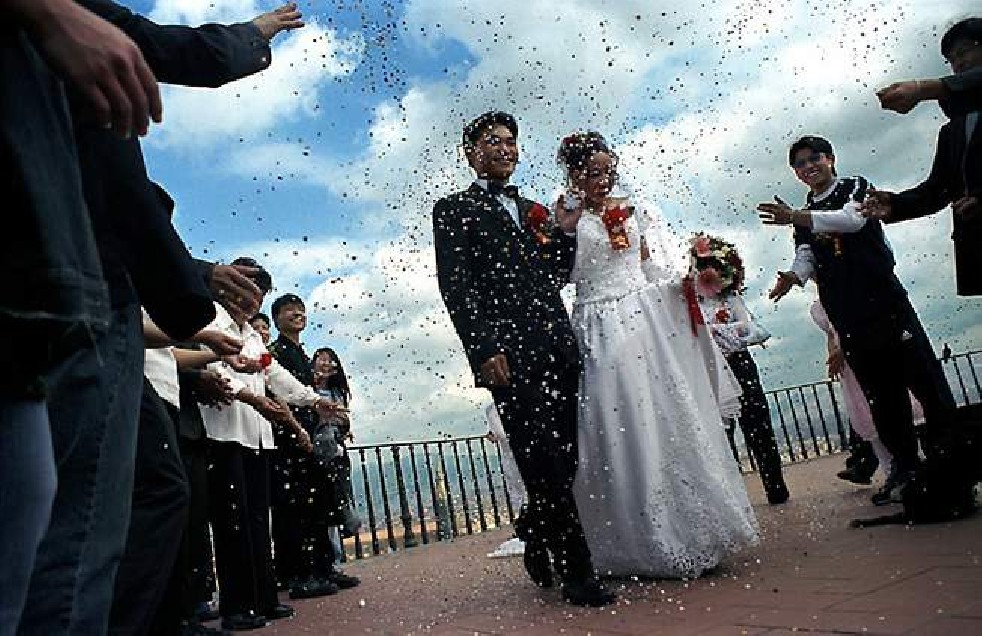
{"points": [[239, 422], [507, 202], [160, 368]]}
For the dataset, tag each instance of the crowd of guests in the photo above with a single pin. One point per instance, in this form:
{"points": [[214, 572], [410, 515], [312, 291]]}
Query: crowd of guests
{"points": [[140, 405], [137, 403]]}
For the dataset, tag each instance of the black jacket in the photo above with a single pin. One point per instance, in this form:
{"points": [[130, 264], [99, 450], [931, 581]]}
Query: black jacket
{"points": [[956, 172], [55, 288], [131, 215], [500, 285], [964, 92]]}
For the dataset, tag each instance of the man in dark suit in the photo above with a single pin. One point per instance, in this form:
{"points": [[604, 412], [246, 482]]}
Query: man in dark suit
{"points": [[956, 175], [500, 280]]}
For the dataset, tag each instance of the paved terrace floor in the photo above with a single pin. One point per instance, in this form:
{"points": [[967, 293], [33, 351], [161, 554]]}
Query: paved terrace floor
{"points": [[811, 575]]}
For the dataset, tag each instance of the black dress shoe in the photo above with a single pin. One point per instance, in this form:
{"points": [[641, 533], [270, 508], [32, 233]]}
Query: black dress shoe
{"points": [[537, 565], [587, 593], [243, 621], [277, 612], [343, 581], [855, 475], [312, 588]]}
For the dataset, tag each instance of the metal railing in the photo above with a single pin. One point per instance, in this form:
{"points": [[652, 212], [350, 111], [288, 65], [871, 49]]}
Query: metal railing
{"points": [[451, 487]]}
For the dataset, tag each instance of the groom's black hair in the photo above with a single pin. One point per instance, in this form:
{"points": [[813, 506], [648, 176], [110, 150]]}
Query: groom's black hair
{"points": [[474, 130]]}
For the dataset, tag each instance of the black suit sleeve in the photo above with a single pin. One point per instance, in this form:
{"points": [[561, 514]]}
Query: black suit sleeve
{"points": [[209, 55], [455, 278], [931, 195], [562, 253], [964, 93]]}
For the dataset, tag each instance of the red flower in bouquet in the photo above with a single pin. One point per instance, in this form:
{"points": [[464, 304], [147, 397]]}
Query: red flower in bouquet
{"points": [[701, 246], [538, 221], [614, 219], [716, 265], [709, 282], [722, 315]]}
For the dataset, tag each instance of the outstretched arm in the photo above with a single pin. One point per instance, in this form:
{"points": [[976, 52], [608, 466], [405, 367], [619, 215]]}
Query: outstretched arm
{"points": [[209, 55]]}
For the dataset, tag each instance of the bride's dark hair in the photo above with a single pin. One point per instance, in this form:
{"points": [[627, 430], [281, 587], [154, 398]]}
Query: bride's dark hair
{"points": [[575, 150]]}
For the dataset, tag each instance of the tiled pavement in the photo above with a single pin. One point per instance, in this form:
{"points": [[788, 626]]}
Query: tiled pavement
{"points": [[811, 575]]}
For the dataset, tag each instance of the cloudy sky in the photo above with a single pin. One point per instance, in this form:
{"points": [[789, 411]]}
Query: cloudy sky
{"points": [[325, 167]]}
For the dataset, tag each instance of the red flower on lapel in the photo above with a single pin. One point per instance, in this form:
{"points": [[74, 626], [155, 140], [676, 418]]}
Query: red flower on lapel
{"points": [[537, 220]]}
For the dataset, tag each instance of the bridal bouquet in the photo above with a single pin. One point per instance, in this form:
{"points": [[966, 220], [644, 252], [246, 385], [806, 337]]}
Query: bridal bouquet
{"points": [[716, 266]]}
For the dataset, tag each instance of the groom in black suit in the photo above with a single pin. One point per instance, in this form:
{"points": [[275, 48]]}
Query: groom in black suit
{"points": [[500, 269]]}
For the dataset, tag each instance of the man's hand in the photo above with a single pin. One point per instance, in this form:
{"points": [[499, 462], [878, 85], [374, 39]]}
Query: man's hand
{"points": [[232, 283], [566, 218], [877, 205], [220, 343], [967, 207], [271, 409], [241, 364], [901, 97], [211, 389], [99, 60], [285, 18], [495, 370], [835, 362], [779, 213], [785, 281]]}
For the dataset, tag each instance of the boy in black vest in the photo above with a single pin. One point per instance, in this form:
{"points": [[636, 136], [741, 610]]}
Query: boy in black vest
{"points": [[852, 264]]}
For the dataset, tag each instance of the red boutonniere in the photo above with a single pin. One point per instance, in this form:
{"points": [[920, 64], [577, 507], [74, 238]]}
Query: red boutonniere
{"points": [[614, 219], [539, 223]]}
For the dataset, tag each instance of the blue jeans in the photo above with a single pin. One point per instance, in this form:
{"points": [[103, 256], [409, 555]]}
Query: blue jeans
{"points": [[27, 489], [94, 409]]}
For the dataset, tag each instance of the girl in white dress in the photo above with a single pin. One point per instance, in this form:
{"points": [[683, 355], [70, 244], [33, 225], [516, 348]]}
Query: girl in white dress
{"points": [[658, 491]]}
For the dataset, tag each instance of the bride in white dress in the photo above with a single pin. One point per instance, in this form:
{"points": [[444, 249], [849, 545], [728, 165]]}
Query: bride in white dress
{"points": [[658, 491]]}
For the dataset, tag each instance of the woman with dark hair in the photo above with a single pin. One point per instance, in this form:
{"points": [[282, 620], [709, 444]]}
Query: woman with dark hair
{"points": [[658, 492], [331, 383]]}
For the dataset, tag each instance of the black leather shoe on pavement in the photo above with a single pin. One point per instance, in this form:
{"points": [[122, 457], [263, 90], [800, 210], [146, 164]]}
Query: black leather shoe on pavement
{"points": [[587, 593], [854, 476], [312, 588], [277, 612], [243, 621], [342, 580], [536, 560]]}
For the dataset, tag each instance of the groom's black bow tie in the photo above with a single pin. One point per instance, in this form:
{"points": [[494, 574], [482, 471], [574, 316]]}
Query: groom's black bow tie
{"points": [[498, 188]]}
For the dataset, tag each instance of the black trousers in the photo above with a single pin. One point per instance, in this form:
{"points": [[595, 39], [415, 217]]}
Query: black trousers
{"points": [[303, 502], [886, 367], [539, 418], [157, 521], [238, 501], [192, 579], [755, 422]]}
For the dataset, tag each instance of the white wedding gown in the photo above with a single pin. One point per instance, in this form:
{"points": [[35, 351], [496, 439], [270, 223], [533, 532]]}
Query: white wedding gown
{"points": [[657, 489]]}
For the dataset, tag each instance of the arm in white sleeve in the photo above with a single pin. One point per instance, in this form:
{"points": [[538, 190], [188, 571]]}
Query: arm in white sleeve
{"points": [[804, 263], [282, 383], [846, 221]]}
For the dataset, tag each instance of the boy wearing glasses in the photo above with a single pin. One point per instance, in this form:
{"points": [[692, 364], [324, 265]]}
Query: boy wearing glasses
{"points": [[881, 335]]}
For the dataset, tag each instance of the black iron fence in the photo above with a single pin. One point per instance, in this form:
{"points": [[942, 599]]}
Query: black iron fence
{"points": [[413, 493]]}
